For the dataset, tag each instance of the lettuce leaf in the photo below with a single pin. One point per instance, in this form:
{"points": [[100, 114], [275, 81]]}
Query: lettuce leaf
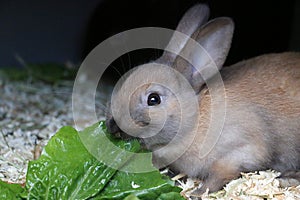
{"points": [[10, 191], [67, 170]]}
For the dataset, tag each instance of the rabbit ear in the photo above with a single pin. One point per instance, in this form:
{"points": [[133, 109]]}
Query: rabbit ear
{"points": [[201, 58], [192, 19]]}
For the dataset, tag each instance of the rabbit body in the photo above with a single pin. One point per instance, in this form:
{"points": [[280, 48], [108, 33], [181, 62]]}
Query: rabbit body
{"points": [[261, 127], [262, 123]]}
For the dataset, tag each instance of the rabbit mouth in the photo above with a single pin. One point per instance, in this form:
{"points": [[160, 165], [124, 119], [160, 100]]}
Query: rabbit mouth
{"points": [[122, 135]]}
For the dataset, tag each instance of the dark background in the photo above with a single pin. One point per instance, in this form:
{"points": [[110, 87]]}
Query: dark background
{"points": [[61, 31]]}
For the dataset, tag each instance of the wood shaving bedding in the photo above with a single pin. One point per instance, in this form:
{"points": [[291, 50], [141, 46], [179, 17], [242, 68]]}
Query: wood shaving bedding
{"points": [[262, 185], [30, 113]]}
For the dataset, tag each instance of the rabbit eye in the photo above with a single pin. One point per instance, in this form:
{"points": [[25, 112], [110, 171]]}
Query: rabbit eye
{"points": [[153, 99]]}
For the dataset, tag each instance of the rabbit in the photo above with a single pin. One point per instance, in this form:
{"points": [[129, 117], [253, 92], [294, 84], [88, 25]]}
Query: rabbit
{"points": [[260, 128]]}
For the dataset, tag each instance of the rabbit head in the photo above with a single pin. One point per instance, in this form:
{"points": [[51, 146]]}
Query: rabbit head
{"points": [[153, 100]]}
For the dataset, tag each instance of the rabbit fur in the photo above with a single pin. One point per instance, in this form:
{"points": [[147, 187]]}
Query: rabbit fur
{"points": [[261, 127]]}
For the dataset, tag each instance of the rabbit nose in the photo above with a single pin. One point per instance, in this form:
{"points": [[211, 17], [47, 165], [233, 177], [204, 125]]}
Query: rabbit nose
{"points": [[111, 125]]}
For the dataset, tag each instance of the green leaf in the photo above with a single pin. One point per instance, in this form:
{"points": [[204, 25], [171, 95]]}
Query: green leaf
{"points": [[170, 196], [144, 185], [165, 196], [132, 197], [10, 191], [67, 170]]}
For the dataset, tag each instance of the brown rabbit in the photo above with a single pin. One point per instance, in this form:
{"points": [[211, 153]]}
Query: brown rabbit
{"points": [[248, 122]]}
